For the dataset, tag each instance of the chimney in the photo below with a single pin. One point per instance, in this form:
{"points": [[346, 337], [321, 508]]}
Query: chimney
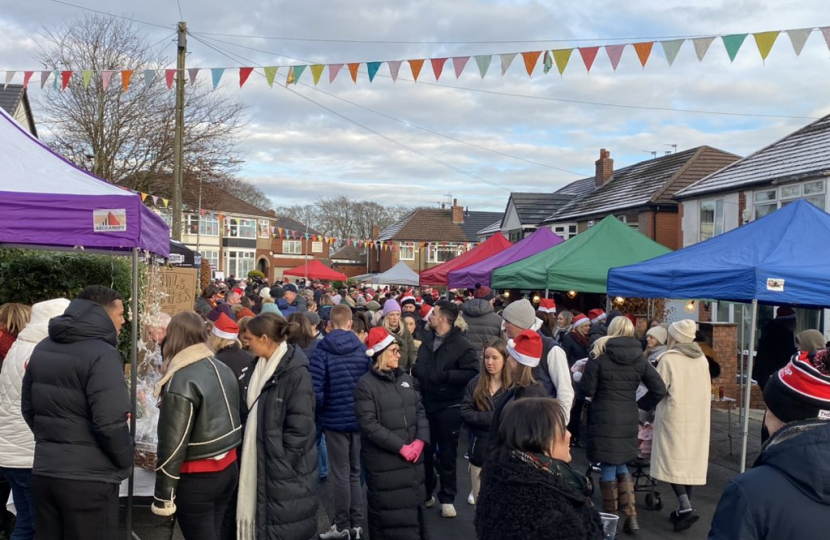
{"points": [[375, 232], [457, 213], [605, 168]]}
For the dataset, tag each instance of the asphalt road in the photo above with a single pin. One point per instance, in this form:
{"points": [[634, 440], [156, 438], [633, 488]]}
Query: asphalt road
{"points": [[654, 524]]}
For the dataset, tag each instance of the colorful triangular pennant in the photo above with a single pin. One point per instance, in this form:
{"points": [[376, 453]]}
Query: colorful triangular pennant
{"points": [[438, 66], [643, 50], [588, 54], [702, 46], [106, 77], [244, 73], [671, 48], [65, 77], [87, 77], [506, 60], [216, 75], [317, 72], [149, 74], [9, 77], [733, 44], [394, 68], [562, 57], [483, 62], [372, 68], [270, 74], [765, 41], [334, 69], [614, 54], [298, 72], [44, 76], [531, 58], [191, 73], [169, 76], [825, 31], [458, 64], [415, 66], [798, 38], [353, 71], [547, 62], [126, 75], [27, 76]]}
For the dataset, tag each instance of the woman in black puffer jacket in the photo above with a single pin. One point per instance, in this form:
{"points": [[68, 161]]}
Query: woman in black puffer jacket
{"points": [[611, 378], [394, 431], [530, 491]]}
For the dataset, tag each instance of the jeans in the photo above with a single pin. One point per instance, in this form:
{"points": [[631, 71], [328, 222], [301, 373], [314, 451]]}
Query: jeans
{"points": [[609, 473], [444, 428], [20, 481], [344, 462], [322, 452], [75, 509], [201, 502]]}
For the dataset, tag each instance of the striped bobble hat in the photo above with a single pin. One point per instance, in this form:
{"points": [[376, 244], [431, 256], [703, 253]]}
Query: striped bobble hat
{"points": [[526, 349], [378, 341], [801, 389]]}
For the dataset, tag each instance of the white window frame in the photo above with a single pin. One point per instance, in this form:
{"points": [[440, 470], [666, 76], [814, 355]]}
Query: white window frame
{"points": [[715, 230], [565, 230], [264, 229], [317, 247], [434, 250], [292, 247], [406, 252], [235, 230], [787, 193], [238, 262], [208, 225], [212, 257]]}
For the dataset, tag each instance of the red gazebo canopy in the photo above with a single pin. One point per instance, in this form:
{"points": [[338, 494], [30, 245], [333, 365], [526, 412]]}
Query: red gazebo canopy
{"points": [[438, 275], [314, 269]]}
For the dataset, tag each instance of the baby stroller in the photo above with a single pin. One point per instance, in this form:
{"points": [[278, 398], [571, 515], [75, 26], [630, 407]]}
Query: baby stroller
{"points": [[639, 468]]}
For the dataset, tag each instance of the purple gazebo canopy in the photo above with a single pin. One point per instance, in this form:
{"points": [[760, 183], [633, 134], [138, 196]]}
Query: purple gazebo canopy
{"points": [[46, 201], [466, 278]]}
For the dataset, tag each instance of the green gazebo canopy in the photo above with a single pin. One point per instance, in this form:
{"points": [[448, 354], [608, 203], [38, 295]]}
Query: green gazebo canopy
{"points": [[582, 263]]}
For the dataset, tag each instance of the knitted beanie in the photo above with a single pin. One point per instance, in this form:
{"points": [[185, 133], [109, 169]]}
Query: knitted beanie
{"points": [[520, 313], [683, 331], [659, 333], [798, 391], [390, 306]]}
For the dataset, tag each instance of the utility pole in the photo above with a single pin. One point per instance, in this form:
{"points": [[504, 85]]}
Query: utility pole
{"points": [[178, 143]]}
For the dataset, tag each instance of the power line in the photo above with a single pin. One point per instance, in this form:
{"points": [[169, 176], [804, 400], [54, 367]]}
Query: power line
{"points": [[228, 54], [547, 98], [178, 3], [110, 14]]}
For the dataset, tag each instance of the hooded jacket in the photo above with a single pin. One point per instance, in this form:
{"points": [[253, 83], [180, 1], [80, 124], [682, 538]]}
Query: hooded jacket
{"points": [[75, 399], [793, 469], [612, 381], [443, 374], [338, 362], [17, 444], [483, 324], [479, 421]]}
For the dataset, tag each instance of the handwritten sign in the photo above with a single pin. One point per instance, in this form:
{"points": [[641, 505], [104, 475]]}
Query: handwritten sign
{"points": [[180, 286]]}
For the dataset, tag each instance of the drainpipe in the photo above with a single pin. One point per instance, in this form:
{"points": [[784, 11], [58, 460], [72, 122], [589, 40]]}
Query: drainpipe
{"points": [[654, 224]]}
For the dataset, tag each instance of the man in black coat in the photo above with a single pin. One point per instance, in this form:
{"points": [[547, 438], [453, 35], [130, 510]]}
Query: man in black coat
{"points": [[76, 402], [775, 346], [446, 363]]}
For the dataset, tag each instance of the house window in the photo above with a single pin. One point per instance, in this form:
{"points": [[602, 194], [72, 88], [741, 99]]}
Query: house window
{"points": [[769, 200], [212, 257], [207, 226], [407, 252], [632, 221], [264, 230], [292, 247], [239, 263], [316, 247], [240, 228], [565, 231], [711, 219], [440, 254]]}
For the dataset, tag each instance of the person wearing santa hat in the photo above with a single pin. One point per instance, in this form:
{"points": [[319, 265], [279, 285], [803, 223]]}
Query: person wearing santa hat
{"points": [[224, 339], [786, 494], [546, 312], [575, 342], [408, 303], [392, 323], [394, 432]]}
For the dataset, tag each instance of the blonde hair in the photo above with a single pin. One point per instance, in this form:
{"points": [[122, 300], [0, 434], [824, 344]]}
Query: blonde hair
{"points": [[217, 344], [243, 323], [14, 317], [619, 327], [524, 379], [381, 359]]}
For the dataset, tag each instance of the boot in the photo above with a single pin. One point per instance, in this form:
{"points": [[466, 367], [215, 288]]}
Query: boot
{"points": [[609, 496], [628, 503]]}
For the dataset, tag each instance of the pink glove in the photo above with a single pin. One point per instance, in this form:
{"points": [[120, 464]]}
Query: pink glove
{"points": [[418, 446], [408, 452]]}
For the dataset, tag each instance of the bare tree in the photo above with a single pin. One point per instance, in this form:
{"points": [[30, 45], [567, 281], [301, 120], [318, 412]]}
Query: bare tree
{"points": [[342, 217], [242, 189], [122, 136]]}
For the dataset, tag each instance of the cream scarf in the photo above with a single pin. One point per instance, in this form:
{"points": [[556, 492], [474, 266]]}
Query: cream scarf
{"points": [[246, 501], [187, 356]]}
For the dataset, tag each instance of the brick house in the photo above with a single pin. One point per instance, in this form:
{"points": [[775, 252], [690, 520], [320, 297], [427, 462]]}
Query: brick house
{"points": [[350, 260], [525, 212], [640, 195], [300, 245], [427, 237]]}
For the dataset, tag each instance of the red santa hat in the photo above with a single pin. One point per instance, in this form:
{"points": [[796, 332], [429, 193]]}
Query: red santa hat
{"points": [[596, 315], [547, 305], [526, 349], [408, 299], [378, 341], [225, 328], [579, 320], [426, 311]]}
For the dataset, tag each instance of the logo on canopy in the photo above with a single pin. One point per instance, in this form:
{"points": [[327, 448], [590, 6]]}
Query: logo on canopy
{"points": [[109, 220], [775, 284]]}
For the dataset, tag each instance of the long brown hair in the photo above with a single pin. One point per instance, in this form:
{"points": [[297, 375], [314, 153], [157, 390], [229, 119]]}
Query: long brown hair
{"points": [[185, 330], [481, 393], [275, 327], [305, 334], [14, 317]]}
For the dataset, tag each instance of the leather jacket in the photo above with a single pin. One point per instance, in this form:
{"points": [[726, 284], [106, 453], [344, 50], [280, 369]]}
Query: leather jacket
{"points": [[199, 419]]}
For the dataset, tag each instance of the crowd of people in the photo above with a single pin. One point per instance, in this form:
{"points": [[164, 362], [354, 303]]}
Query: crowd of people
{"points": [[266, 391]]}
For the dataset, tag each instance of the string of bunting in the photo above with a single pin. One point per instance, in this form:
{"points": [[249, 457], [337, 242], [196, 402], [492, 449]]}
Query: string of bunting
{"points": [[561, 58]]}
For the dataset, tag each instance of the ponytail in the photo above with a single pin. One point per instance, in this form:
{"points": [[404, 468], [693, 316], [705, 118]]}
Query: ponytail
{"points": [[276, 328]]}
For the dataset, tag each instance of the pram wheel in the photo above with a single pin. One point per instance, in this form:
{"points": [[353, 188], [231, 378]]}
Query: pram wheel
{"points": [[653, 502]]}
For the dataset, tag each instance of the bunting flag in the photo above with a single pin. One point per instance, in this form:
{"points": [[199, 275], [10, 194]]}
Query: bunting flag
{"points": [[614, 54], [244, 73], [270, 75], [9, 77], [65, 77], [169, 75], [191, 73], [372, 68], [562, 57], [216, 75], [702, 46], [531, 59], [144, 197], [44, 76], [547, 63], [483, 63], [733, 44], [298, 72], [588, 54], [458, 64], [126, 75], [671, 48], [353, 70], [86, 76], [643, 51], [438, 66], [55, 80], [798, 38], [765, 41], [394, 68], [106, 77], [149, 75], [317, 72], [155, 199], [415, 66], [27, 76], [825, 31], [166, 202], [334, 69], [506, 60]]}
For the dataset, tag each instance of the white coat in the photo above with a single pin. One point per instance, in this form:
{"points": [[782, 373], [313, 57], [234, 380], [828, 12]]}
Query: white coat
{"points": [[17, 444], [680, 447]]}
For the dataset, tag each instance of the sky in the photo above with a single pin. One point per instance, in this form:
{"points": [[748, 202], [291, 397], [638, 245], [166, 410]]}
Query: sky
{"points": [[472, 139]]}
